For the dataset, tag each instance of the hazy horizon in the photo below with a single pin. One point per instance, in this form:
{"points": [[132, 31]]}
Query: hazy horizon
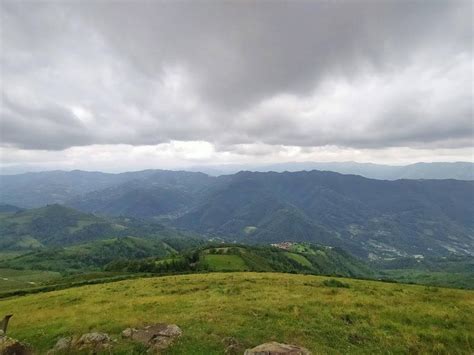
{"points": [[218, 169]]}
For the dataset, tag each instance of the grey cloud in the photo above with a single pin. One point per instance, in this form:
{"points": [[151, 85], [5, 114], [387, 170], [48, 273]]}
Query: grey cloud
{"points": [[150, 72], [52, 127], [241, 51]]}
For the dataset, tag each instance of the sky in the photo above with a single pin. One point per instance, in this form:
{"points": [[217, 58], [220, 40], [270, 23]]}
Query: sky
{"points": [[129, 85]]}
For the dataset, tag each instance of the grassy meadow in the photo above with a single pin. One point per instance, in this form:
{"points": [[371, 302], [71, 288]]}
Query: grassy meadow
{"points": [[11, 279], [446, 279], [225, 262], [362, 317]]}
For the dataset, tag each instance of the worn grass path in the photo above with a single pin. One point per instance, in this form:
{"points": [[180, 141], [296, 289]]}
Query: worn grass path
{"points": [[368, 317]]}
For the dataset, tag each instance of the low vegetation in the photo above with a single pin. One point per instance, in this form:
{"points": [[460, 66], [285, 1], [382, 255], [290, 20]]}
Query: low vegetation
{"points": [[315, 260], [361, 317], [453, 271], [94, 255], [11, 279]]}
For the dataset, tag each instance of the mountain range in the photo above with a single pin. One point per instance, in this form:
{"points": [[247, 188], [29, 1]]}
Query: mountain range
{"points": [[368, 217], [421, 170]]}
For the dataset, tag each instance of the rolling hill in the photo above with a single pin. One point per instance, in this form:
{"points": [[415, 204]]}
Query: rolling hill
{"points": [[300, 258], [168, 255]]}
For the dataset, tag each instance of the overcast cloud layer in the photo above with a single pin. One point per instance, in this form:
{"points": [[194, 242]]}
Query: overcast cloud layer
{"points": [[235, 81]]}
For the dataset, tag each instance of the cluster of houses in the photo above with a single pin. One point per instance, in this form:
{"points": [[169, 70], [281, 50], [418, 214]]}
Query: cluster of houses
{"points": [[283, 245]]}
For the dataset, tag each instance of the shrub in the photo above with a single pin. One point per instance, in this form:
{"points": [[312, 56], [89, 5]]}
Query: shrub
{"points": [[335, 283]]}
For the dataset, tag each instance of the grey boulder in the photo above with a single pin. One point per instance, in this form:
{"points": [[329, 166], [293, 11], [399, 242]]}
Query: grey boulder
{"points": [[274, 348]]}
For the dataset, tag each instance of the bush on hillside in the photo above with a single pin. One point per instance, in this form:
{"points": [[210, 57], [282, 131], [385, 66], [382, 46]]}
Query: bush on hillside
{"points": [[335, 283]]}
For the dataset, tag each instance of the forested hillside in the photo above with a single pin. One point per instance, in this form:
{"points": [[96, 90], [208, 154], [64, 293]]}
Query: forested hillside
{"points": [[368, 217], [58, 226]]}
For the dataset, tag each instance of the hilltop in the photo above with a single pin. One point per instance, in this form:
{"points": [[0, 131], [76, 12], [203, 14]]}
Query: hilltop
{"points": [[303, 258], [129, 256], [324, 315]]}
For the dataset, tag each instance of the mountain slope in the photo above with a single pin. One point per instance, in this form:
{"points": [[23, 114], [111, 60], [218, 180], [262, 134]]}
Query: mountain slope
{"points": [[161, 194], [132, 200], [381, 218], [56, 225]]}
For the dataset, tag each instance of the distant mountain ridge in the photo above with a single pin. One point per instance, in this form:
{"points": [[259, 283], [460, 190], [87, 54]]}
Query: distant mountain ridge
{"points": [[421, 170], [39, 189], [441, 170], [36, 189]]}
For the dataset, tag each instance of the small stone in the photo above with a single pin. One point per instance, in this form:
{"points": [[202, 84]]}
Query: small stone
{"points": [[171, 330], [275, 348], [93, 341], [156, 336], [63, 344], [10, 346], [128, 333]]}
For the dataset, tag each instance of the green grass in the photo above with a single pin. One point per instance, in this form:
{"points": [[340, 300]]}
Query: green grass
{"points": [[453, 271], [446, 279], [299, 259], [81, 224], [6, 255], [368, 317], [225, 262], [302, 248], [11, 279]]}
